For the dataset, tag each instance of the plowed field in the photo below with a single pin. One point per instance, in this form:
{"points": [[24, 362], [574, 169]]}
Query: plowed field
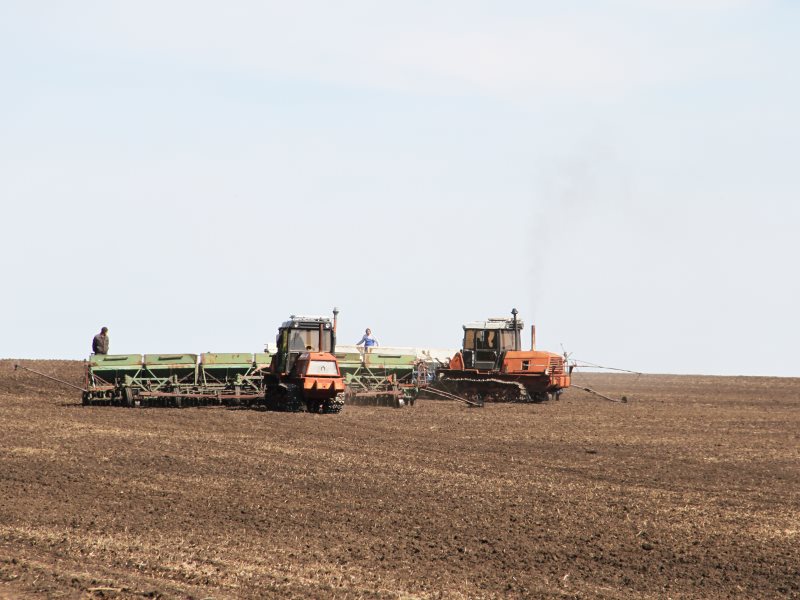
{"points": [[690, 490]]}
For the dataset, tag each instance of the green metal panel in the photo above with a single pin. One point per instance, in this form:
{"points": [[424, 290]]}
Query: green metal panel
{"points": [[263, 359], [217, 358], [170, 360], [161, 369], [115, 361], [225, 368], [350, 361], [110, 369], [390, 360]]}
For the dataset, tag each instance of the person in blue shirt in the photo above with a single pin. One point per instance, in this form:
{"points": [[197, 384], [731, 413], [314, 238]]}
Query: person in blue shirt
{"points": [[367, 340]]}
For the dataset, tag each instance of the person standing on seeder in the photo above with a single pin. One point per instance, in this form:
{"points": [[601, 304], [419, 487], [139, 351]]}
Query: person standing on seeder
{"points": [[100, 342], [368, 341]]}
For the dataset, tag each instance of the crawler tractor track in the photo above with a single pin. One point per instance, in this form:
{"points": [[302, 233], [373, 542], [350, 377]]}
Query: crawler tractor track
{"points": [[489, 390], [288, 397], [285, 397], [325, 407], [334, 405]]}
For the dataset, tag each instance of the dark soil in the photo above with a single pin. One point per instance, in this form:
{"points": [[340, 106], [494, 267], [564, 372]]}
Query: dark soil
{"points": [[690, 490]]}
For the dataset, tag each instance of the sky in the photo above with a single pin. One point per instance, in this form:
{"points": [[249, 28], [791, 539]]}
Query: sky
{"points": [[189, 174]]}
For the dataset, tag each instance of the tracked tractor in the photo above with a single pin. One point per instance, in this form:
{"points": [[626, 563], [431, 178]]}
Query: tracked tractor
{"points": [[304, 374], [492, 367]]}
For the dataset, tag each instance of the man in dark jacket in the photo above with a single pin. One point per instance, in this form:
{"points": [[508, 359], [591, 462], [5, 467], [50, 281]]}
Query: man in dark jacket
{"points": [[100, 342]]}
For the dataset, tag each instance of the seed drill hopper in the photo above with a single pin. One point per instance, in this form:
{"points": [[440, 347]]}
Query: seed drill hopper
{"points": [[175, 379], [383, 376]]}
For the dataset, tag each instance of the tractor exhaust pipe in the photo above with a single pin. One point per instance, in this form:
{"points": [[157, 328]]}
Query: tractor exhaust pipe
{"points": [[533, 337], [335, 325], [514, 313]]}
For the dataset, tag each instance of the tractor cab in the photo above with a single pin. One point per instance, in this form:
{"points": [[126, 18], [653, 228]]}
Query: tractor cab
{"points": [[486, 342], [302, 334], [491, 366]]}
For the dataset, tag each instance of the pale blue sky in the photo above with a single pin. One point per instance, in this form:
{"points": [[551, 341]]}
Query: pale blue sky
{"points": [[190, 173]]}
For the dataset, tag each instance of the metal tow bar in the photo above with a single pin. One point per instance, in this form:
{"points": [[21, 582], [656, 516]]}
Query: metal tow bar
{"points": [[72, 385], [450, 396], [623, 400]]}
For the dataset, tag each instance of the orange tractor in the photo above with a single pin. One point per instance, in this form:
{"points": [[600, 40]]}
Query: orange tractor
{"points": [[491, 367], [304, 373]]}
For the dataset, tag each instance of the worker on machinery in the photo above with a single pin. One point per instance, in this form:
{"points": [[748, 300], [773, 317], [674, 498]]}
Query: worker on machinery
{"points": [[367, 340], [100, 342]]}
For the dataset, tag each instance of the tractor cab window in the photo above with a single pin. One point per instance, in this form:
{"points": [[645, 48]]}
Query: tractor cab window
{"points": [[507, 340], [489, 339], [481, 339], [301, 339], [469, 339]]}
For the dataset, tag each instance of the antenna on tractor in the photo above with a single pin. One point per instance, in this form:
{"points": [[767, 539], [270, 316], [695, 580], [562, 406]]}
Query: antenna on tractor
{"points": [[587, 364], [565, 353], [570, 366]]}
